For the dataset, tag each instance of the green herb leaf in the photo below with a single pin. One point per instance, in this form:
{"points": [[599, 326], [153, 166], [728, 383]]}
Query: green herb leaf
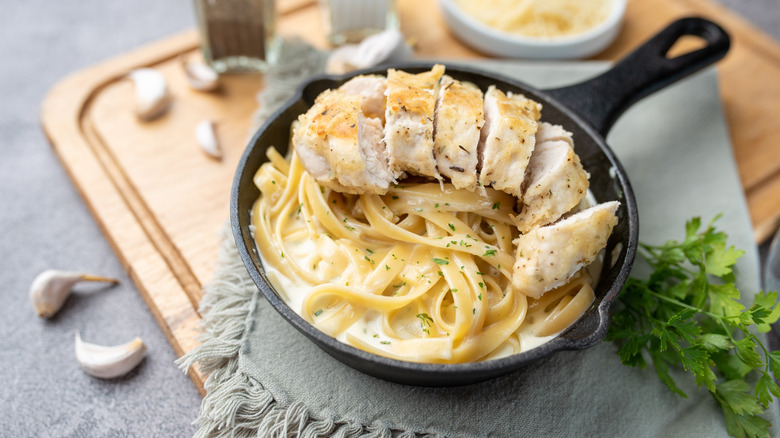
{"points": [[767, 300], [688, 314]]}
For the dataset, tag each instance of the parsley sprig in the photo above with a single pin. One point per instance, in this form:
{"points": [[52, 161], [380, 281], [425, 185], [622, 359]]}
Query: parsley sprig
{"points": [[687, 313]]}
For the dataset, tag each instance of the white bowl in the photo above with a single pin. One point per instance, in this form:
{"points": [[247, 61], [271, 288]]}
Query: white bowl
{"points": [[495, 42]]}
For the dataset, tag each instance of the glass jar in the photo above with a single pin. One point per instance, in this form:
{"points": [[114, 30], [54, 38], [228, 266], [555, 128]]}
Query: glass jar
{"points": [[237, 36], [350, 21]]}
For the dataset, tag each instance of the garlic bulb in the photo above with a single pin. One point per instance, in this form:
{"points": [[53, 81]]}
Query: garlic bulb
{"points": [[200, 76], [152, 97], [109, 362], [207, 139], [52, 287]]}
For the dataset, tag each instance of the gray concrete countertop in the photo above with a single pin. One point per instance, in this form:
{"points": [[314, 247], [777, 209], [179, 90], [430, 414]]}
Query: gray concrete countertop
{"points": [[46, 225]]}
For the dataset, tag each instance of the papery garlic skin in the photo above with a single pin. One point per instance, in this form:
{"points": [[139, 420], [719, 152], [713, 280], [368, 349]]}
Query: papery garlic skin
{"points": [[207, 139], [152, 97], [200, 76], [109, 362], [51, 288]]}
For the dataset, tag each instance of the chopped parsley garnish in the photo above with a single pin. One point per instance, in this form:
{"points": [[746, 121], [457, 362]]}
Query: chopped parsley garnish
{"points": [[425, 322], [439, 261]]}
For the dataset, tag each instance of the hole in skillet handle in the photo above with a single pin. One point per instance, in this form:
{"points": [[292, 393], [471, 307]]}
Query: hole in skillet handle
{"points": [[601, 100]]}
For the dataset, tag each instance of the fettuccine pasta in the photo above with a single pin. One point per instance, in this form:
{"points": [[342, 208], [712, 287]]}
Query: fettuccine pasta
{"points": [[421, 273]]}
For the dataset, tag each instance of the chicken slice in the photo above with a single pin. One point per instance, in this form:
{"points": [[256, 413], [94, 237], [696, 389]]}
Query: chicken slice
{"points": [[341, 147], [411, 99], [507, 140], [549, 256], [372, 88], [555, 181], [549, 132], [459, 118]]}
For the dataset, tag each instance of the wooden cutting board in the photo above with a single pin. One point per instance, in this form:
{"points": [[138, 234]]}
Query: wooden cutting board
{"points": [[161, 202]]}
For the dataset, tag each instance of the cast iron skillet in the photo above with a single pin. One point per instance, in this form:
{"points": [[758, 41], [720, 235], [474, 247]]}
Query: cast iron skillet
{"points": [[587, 109]]}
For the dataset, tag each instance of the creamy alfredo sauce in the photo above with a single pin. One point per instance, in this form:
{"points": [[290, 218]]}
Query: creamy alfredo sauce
{"points": [[368, 327]]}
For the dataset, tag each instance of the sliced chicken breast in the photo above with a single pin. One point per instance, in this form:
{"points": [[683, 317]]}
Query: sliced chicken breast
{"points": [[459, 119], [555, 181], [341, 147], [411, 99], [372, 88], [507, 140], [549, 256]]}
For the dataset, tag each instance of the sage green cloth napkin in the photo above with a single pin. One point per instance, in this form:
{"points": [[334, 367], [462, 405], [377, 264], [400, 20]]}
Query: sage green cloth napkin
{"points": [[268, 380]]}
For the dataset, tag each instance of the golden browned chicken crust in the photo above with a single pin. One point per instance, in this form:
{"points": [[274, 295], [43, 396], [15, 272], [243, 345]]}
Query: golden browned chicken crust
{"points": [[330, 148]]}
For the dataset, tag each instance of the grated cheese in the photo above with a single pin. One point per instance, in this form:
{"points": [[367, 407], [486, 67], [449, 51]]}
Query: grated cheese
{"points": [[539, 18]]}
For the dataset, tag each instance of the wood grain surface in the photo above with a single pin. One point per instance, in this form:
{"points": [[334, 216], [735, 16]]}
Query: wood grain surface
{"points": [[161, 202]]}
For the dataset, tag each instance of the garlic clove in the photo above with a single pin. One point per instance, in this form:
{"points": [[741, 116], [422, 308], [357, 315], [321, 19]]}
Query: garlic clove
{"points": [[200, 76], [109, 362], [384, 47], [152, 97], [51, 288], [206, 136]]}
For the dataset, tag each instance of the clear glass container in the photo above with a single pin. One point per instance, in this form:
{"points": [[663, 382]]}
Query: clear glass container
{"points": [[237, 36], [350, 21]]}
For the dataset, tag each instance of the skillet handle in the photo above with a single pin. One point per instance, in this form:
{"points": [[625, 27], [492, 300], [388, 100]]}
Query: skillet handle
{"points": [[601, 100]]}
